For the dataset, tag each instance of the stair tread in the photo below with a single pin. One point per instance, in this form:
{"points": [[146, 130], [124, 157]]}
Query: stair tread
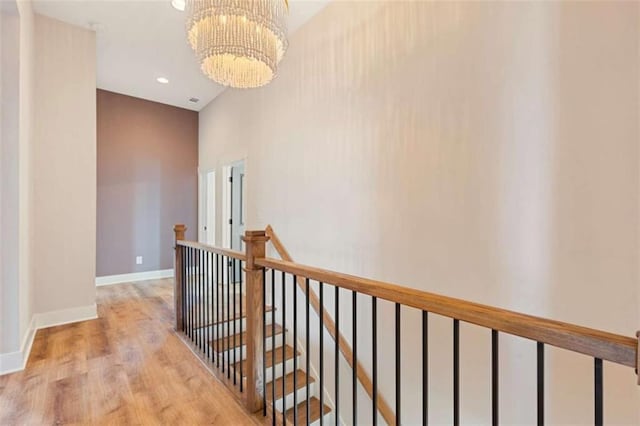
{"points": [[230, 343], [288, 383], [269, 359], [223, 314], [314, 411]]}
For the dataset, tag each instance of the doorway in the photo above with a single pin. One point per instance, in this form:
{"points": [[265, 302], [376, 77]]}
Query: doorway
{"points": [[236, 205], [207, 209], [233, 212]]}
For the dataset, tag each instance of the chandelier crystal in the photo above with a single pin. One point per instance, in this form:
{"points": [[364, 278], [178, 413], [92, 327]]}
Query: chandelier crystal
{"points": [[239, 43]]}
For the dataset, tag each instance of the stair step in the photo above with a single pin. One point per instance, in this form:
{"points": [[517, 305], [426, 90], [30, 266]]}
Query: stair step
{"points": [[314, 412], [222, 314], [269, 359], [301, 377], [230, 343]]}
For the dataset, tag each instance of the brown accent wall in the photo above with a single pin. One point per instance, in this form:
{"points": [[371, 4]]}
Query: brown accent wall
{"points": [[147, 181]]}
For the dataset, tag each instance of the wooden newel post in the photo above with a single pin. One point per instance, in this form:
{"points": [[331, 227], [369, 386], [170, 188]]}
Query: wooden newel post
{"points": [[255, 243], [179, 231]]}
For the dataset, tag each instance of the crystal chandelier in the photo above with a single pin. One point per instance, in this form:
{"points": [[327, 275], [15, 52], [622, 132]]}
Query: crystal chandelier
{"points": [[239, 43]]}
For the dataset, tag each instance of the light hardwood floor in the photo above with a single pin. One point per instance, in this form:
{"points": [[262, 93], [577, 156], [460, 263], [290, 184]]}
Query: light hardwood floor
{"points": [[126, 367]]}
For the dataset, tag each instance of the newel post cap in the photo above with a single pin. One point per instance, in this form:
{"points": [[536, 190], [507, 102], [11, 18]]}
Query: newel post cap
{"points": [[250, 236], [179, 230]]}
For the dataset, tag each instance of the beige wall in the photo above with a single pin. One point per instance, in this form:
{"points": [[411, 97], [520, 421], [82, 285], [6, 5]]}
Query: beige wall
{"points": [[147, 181], [27, 122], [17, 83], [487, 151], [64, 166], [9, 176]]}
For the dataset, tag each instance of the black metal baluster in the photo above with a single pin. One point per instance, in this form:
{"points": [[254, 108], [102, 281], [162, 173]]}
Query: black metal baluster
{"points": [[284, 349], [198, 323], [456, 372], [211, 307], [540, 368], [201, 300], [398, 364], [218, 316], [337, 353], [425, 368], [308, 366], [295, 351], [191, 293], [235, 321], [374, 355], [229, 337], [207, 319], [354, 369], [184, 287], [212, 272], [225, 334], [185, 296], [203, 304], [241, 327], [264, 343], [495, 402], [320, 314], [273, 345], [598, 396], [187, 311]]}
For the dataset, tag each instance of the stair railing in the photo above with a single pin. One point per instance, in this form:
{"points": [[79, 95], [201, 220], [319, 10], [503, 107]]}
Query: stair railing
{"points": [[343, 345], [217, 313], [200, 295]]}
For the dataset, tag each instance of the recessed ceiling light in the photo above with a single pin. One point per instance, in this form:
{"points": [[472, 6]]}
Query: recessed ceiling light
{"points": [[178, 4], [162, 80]]}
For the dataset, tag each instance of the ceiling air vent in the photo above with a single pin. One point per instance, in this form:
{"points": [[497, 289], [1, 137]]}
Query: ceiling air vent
{"points": [[194, 100]]}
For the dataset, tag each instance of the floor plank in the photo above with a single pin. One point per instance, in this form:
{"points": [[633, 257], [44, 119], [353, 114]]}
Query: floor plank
{"points": [[126, 367]]}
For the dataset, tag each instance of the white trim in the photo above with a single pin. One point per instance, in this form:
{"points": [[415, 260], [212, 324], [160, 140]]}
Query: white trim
{"points": [[226, 206], [134, 277], [65, 316], [207, 206], [15, 361]]}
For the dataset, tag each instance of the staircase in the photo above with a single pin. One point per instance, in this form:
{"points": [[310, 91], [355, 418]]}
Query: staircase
{"points": [[280, 360], [255, 356]]}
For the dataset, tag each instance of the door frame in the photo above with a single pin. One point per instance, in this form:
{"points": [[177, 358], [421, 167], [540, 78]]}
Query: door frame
{"points": [[226, 199], [207, 216]]}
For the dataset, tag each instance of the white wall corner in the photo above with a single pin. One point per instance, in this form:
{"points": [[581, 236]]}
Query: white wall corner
{"points": [[15, 361], [134, 277]]}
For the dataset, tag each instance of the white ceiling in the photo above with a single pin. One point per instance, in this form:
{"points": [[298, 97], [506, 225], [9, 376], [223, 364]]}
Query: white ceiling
{"points": [[139, 41]]}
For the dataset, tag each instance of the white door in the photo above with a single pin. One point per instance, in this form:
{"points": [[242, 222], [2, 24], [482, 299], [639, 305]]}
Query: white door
{"points": [[210, 209], [207, 208], [237, 201]]}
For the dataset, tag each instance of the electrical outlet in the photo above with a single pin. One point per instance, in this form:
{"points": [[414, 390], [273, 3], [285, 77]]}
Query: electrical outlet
{"points": [[138, 260]]}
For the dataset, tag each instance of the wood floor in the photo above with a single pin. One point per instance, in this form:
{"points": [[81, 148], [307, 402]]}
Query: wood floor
{"points": [[126, 367]]}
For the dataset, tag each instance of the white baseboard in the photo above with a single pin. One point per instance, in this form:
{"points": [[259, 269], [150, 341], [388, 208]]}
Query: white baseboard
{"points": [[133, 277], [65, 316], [15, 361]]}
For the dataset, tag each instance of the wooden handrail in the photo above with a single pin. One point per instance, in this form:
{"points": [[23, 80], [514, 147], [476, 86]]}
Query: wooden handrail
{"points": [[343, 344], [225, 252], [615, 348]]}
